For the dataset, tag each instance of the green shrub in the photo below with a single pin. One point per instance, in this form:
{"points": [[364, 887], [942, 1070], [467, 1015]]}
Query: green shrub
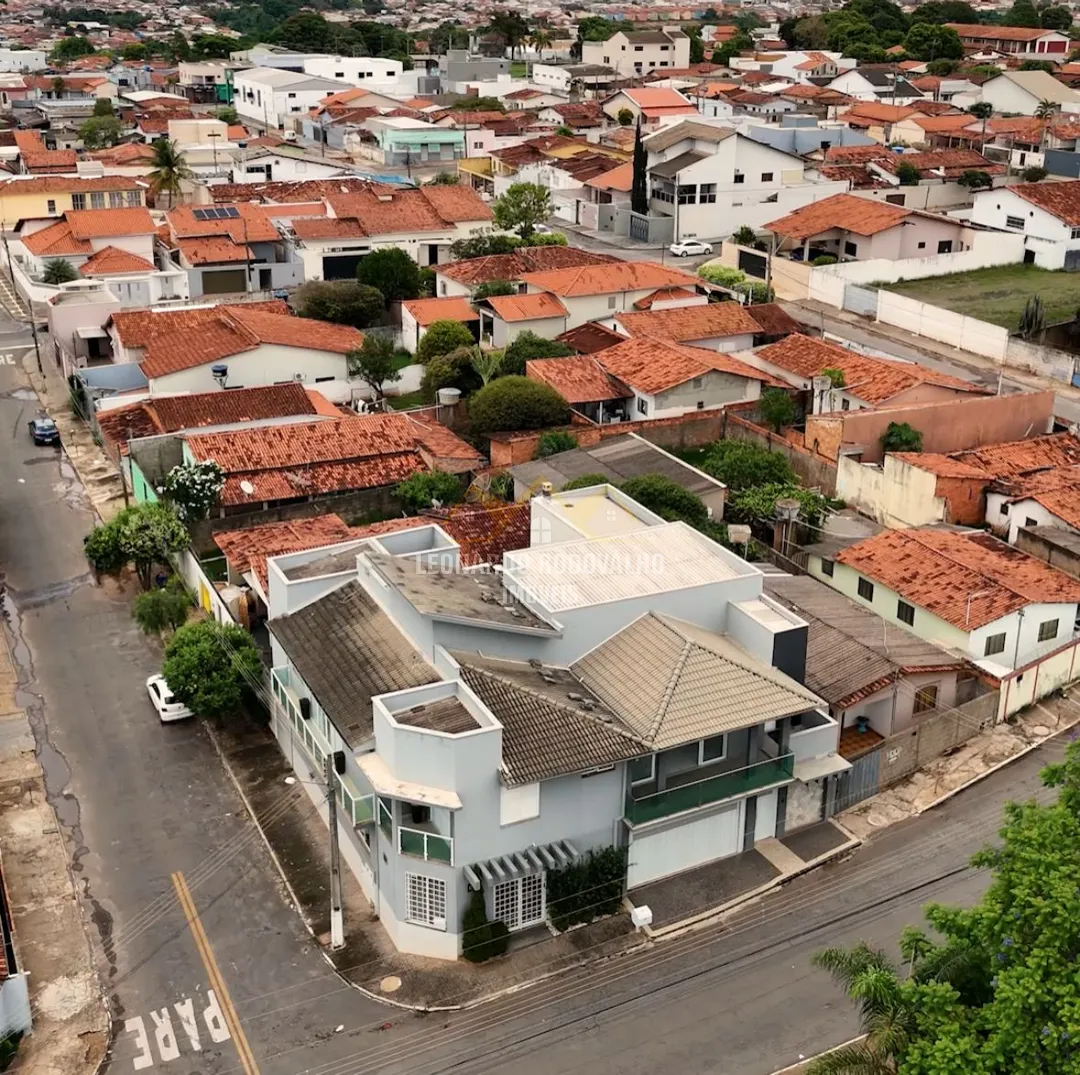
{"points": [[744, 236], [417, 492], [475, 929], [516, 403], [901, 437], [777, 408], [667, 498], [584, 481], [163, 609], [554, 442], [212, 667], [547, 238], [758, 504], [454, 370], [721, 275], [441, 338], [588, 888], [500, 938], [528, 345], [502, 486], [824, 259], [740, 464]]}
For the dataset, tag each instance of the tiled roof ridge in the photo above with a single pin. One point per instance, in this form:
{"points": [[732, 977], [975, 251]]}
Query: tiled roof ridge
{"points": [[916, 537], [673, 680], [556, 703]]}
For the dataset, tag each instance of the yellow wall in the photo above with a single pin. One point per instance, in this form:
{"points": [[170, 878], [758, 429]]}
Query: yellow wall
{"points": [[16, 206]]}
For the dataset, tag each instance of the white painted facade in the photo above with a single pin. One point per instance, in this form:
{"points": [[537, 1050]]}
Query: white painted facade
{"points": [[270, 98], [628, 56], [367, 72], [18, 60], [1005, 517], [258, 167], [1056, 245]]}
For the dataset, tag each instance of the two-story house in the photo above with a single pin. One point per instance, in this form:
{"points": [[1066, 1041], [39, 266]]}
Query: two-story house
{"points": [[624, 682], [637, 52]]}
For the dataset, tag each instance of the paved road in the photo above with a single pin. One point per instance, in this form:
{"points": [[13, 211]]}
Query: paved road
{"points": [[627, 253], [140, 801]]}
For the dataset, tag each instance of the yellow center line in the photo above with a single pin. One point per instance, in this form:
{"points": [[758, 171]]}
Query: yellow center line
{"points": [[217, 982]]}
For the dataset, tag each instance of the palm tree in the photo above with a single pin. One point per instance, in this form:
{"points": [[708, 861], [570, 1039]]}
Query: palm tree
{"points": [[170, 170], [1045, 111], [982, 110], [540, 40], [869, 979]]}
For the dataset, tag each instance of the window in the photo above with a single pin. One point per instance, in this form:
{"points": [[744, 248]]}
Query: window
{"points": [[1048, 629], [766, 177], [1014, 222], [925, 699], [425, 900], [642, 405], [386, 815], [688, 194], [611, 302], [707, 194], [116, 199], [97, 199], [519, 804], [1074, 233], [712, 749], [78, 201], [866, 589], [1004, 509], [898, 199], [291, 95], [845, 404], [851, 249], [639, 48], [318, 379], [922, 246], [643, 770], [51, 207], [341, 74], [740, 178], [905, 613], [1029, 521], [994, 644], [697, 382], [520, 902], [827, 568], [944, 246]]}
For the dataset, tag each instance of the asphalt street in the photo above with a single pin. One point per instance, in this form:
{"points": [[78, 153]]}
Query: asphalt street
{"points": [[141, 802]]}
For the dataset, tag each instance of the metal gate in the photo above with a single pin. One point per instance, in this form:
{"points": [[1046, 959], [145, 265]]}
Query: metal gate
{"points": [[753, 264], [860, 300], [860, 781], [639, 227]]}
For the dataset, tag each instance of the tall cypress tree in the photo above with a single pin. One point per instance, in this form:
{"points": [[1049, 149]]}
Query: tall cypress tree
{"points": [[639, 190]]}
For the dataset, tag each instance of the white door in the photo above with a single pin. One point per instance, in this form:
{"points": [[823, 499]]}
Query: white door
{"points": [[765, 819], [684, 847]]}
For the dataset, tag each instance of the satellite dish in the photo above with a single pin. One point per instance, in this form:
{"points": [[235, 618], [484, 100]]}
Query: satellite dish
{"points": [[246, 487]]}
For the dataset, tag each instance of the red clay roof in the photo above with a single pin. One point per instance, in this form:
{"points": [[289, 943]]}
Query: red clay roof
{"points": [[514, 266], [685, 323], [1024, 456], [874, 380], [860, 216], [665, 294], [110, 260], [589, 338], [967, 579], [251, 225], [577, 380], [484, 531], [67, 184], [942, 466], [877, 112], [328, 228], [380, 209], [979, 32], [106, 223], [450, 308], [136, 328], [212, 250], [1060, 200], [535, 306], [55, 241], [606, 279]]}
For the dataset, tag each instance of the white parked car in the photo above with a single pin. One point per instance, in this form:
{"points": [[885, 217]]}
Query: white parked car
{"points": [[690, 248], [168, 706]]}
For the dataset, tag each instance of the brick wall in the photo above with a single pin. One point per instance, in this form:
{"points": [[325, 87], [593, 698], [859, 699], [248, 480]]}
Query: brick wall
{"points": [[964, 497]]}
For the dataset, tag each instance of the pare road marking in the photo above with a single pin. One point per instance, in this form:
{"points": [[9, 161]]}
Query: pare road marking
{"points": [[166, 1037]]}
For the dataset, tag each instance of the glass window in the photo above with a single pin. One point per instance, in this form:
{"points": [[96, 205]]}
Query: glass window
{"points": [[766, 177], [116, 199], [866, 589], [851, 249], [643, 770], [905, 613], [827, 568], [740, 178], [688, 194], [1014, 222], [925, 699], [425, 900], [97, 199], [712, 749], [642, 406], [78, 201], [134, 198], [994, 644], [1048, 629], [707, 193]]}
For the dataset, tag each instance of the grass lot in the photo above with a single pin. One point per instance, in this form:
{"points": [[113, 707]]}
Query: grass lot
{"points": [[407, 401], [998, 295], [518, 69]]}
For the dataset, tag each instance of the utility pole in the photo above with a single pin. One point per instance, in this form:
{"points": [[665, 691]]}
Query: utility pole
{"points": [[337, 922]]}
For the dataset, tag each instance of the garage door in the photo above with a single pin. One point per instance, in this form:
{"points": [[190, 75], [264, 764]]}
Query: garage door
{"points": [[226, 282], [340, 267], [685, 847]]}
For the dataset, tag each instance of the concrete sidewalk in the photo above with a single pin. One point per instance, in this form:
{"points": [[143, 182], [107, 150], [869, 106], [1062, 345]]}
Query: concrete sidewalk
{"points": [[71, 1022]]}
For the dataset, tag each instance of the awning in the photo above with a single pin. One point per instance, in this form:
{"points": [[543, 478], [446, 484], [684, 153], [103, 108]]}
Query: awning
{"points": [[94, 332], [532, 860], [385, 783]]}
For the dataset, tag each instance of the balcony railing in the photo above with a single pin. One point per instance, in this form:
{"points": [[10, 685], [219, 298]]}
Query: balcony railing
{"points": [[704, 792], [426, 845]]}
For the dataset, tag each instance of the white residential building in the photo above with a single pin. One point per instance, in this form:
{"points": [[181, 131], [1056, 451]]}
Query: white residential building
{"points": [[1021, 92], [272, 98], [367, 72], [637, 52], [18, 60], [1048, 215]]}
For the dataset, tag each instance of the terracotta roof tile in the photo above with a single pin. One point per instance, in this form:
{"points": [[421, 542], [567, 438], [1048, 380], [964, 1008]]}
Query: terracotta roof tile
{"points": [[847, 211], [774, 319], [484, 531], [476, 271], [50, 160], [1060, 200], [55, 241], [874, 380], [664, 294], [136, 328], [381, 209], [251, 225], [942, 466], [534, 306], [319, 479], [449, 308], [577, 380], [111, 260], [106, 223], [943, 163], [686, 323], [877, 112], [237, 405], [979, 32], [967, 579], [1024, 456], [589, 338], [328, 228], [609, 278], [855, 154], [212, 250]]}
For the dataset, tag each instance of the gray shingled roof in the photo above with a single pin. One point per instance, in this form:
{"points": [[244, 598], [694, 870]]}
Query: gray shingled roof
{"points": [[545, 733], [848, 648], [347, 650], [672, 682]]}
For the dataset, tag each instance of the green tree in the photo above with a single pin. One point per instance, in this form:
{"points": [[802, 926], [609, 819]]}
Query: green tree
{"points": [[982, 110], [639, 183], [522, 207], [908, 174], [445, 179], [453, 370], [58, 271], [70, 48], [420, 491], [170, 170], [511, 27], [134, 52], [307, 31], [667, 499], [103, 106], [227, 114], [392, 271], [811, 33], [777, 408], [144, 535], [1034, 174], [928, 41], [941, 68], [731, 48], [758, 503], [740, 464], [975, 179], [1056, 17], [1022, 13], [584, 481], [494, 287], [99, 132], [162, 609], [744, 235], [211, 667], [625, 116], [556, 441], [697, 46], [528, 345], [516, 403], [941, 11], [212, 46], [901, 437], [193, 489], [373, 363], [440, 338], [478, 104], [485, 245], [1033, 318], [344, 302], [486, 364], [1037, 65], [476, 944], [540, 39]]}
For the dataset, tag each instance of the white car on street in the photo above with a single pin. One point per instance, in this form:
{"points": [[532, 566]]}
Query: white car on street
{"points": [[168, 706], [690, 248]]}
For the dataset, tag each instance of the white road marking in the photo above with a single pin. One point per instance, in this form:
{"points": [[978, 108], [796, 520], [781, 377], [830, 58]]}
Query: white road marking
{"points": [[164, 1035]]}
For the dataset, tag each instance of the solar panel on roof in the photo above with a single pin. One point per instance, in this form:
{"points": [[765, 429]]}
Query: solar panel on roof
{"points": [[201, 214], [230, 212]]}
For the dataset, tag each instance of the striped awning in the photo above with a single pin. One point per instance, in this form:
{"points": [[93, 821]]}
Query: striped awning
{"points": [[533, 859]]}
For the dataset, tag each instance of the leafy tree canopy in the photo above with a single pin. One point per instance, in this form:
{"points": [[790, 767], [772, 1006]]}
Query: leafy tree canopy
{"points": [[98, 132], [71, 48], [344, 302], [418, 491], [522, 207], [667, 499], [143, 535], [374, 363], [393, 272], [210, 667], [942, 11], [901, 437], [442, 337], [528, 345], [740, 464], [516, 403], [929, 41]]}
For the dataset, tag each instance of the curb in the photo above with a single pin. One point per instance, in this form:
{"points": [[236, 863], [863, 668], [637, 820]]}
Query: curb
{"points": [[800, 1065]]}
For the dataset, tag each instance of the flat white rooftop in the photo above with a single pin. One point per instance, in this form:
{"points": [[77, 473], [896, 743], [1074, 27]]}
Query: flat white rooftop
{"points": [[653, 560], [594, 513]]}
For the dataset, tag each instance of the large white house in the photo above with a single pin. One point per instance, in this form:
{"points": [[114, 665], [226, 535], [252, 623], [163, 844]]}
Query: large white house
{"points": [[271, 98], [1048, 215], [637, 52]]}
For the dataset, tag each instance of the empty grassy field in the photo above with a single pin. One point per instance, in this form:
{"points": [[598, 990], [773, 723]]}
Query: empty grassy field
{"points": [[999, 295]]}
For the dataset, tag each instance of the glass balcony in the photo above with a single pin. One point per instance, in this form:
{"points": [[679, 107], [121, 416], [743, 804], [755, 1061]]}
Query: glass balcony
{"points": [[426, 845], [703, 792]]}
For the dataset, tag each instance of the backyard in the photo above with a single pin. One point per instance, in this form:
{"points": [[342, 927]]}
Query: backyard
{"points": [[998, 295]]}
